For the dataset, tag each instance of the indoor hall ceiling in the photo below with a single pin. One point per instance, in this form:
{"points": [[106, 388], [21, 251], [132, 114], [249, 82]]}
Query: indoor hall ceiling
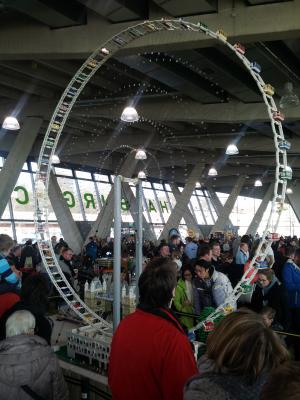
{"points": [[194, 99]]}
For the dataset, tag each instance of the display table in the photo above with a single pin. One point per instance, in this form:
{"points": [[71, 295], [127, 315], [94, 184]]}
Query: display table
{"points": [[78, 374]]}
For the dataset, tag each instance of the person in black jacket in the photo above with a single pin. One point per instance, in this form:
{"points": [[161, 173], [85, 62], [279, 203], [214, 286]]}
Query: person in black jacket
{"points": [[29, 255], [34, 298], [269, 292]]}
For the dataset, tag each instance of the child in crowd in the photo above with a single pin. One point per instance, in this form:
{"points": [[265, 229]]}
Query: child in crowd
{"points": [[10, 277], [268, 315]]}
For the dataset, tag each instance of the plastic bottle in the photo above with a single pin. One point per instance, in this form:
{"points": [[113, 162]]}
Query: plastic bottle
{"points": [[86, 287]]}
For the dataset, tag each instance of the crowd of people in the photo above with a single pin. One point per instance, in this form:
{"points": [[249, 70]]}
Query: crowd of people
{"points": [[29, 368], [181, 283], [152, 358]]}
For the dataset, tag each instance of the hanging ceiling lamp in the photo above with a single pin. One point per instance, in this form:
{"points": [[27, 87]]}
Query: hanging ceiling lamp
{"points": [[142, 175], [55, 159], [289, 191], [212, 172], [11, 124], [258, 183], [232, 150], [129, 114], [140, 155], [289, 99], [198, 185]]}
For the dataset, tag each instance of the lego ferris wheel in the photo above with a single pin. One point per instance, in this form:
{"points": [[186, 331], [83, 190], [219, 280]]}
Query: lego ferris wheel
{"points": [[56, 125]]}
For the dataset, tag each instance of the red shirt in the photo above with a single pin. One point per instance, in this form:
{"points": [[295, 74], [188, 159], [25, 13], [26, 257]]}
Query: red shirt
{"points": [[150, 359], [7, 300]]}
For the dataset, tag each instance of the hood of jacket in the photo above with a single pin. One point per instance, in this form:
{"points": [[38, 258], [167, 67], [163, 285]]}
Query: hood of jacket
{"points": [[23, 359]]}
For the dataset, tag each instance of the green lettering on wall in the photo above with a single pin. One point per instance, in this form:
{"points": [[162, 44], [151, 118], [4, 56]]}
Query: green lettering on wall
{"points": [[104, 200], [25, 193], [151, 206], [163, 206], [124, 205], [89, 198], [69, 198]]}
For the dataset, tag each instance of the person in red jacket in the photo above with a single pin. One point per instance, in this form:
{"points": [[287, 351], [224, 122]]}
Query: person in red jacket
{"points": [[151, 357]]}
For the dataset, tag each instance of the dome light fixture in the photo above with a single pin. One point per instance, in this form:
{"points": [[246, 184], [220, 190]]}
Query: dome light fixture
{"points": [[198, 185], [142, 175], [140, 155], [129, 114], [212, 172], [258, 183], [232, 150], [289, 191], [55, 159], [11, 124], [289, 99]]}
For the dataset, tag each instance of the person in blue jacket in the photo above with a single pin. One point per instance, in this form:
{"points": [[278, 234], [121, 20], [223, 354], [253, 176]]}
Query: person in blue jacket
{"points": [[9, 275], [92, 248], [291, 281]]}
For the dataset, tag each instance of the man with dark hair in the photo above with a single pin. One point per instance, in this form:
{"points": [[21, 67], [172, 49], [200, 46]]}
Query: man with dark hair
{"points": [[216, 256], [65, 263], [164, 250], [205, 253], [151, 357], [174, 243], [212, 288]]}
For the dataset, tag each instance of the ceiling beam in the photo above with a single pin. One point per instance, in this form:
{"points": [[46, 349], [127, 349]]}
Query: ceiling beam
{"points": [[247, 24], [189, 111], [57, 14]]}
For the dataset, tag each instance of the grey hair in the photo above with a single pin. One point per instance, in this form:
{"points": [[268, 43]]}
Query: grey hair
{"points": [[20, 323]]}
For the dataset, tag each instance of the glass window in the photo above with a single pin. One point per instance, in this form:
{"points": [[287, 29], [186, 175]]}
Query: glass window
{"points": [[152, 206], [163, 204], [146, 184], [172, 200], [222, 197], [55, 230], [68, 188], [25, 167], [182, 230], [63, 171], [1, 161], [206, 211], [168, 187], [83, 174], [180, 188], [6, 213], [25, 231], [158, 186], [89, 199], [158, 228], [33, 166], [198, 213], [6, 228], [22, 197], [104, 190], [100, 177]]}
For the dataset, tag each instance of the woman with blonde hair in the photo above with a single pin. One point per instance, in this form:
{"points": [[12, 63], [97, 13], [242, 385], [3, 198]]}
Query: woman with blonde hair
{"points": [[240, 354]]}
